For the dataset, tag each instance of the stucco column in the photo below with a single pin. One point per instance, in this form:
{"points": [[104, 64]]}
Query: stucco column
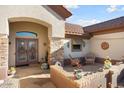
{"points": [[56, 50], [3, 56]]}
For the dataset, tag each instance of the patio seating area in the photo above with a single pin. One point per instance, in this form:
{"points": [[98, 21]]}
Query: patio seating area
{"points": [[85, 68], [92, 77]]}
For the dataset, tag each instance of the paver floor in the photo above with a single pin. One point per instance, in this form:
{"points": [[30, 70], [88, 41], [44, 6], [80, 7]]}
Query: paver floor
{"points": [[33, 77]]}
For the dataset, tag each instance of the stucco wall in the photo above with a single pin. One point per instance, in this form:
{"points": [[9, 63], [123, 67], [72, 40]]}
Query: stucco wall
{"points": [[68, 51], [116, 45], [41, 31], [40, 13]]}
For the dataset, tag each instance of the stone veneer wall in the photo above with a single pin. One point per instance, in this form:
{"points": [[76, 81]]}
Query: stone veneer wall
{"points": [[3, 50], [3, 56], [56, 50]]}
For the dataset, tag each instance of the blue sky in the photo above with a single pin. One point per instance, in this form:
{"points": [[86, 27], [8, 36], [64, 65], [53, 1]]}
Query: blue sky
{"points": [[90, 14]]}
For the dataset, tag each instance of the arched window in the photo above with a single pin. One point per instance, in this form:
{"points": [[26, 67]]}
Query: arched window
{"points": [[26, 34]]}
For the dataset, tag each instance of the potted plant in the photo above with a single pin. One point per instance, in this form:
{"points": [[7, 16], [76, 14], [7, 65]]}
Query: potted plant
{"points": [[12, 71], [107, 63], [77, 74]]}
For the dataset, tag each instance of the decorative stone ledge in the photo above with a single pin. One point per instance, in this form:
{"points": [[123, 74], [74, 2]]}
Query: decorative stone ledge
{"points": [[3, 56], [56, 52], [3, 50]]}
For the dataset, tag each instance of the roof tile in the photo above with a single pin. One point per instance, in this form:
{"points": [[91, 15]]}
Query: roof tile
{"points": [[73, 29]]}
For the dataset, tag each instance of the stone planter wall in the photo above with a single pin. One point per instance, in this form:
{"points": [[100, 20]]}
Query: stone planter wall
{"points": [[56, 51]]}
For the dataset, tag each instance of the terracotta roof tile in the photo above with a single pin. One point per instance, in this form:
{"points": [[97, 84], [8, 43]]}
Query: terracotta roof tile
{"points": [[73, 29]]}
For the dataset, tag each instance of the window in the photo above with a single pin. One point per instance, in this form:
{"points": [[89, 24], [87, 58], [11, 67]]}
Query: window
{"points": [[76, 46], [26, 34]]}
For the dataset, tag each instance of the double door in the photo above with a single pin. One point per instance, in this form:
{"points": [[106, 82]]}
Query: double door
{"points": [[26, 51]]}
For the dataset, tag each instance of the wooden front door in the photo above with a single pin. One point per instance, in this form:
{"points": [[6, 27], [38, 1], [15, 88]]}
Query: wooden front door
{"points": [[26, 51]]}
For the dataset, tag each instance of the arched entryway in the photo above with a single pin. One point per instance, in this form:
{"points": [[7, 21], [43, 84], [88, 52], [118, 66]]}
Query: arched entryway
{"points": [[28, 41]]}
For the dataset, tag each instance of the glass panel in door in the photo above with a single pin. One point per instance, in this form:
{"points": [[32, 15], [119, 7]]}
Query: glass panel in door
{"points": [[32, 50], [21, 52]]}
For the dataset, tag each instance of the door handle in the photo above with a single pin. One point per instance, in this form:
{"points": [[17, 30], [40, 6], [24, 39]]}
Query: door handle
{"points": [[26, 51]]}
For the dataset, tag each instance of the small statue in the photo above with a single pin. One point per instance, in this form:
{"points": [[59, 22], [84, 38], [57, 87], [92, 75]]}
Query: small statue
{"points": [[44, 66], [77, 74]]}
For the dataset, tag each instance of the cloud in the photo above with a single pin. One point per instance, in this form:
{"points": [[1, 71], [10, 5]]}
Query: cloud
{"points": [[122, 9], [71, 6], [87, 22], [112, 8]]}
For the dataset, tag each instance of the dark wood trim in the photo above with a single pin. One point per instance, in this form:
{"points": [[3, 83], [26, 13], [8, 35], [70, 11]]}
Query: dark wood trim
{"points": [[37, 51], [116, 30], [26, 38], [60, 10], [49, 54], [84, 36], [106, 26]]}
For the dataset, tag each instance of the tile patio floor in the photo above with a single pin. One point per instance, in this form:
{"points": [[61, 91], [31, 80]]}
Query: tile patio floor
{"points": [[86, 68], [33, 77]]}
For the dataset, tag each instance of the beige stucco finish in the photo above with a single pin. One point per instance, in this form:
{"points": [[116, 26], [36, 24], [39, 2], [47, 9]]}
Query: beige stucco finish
{"points": [[32, 13], [42, 37], [115, 51], [116, 45], [39, 19], [68, 50], [42, 15]]}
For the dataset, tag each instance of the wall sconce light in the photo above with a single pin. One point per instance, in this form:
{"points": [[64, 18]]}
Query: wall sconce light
{"points": [[83, 42], [9, 43], [44, 44], [68, 45]]}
